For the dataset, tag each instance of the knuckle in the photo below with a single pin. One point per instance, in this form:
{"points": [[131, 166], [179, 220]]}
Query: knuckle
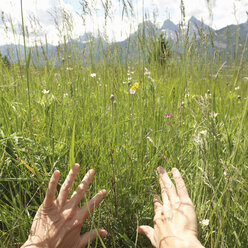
{"points": [[77, 223], [163, 190], [66, 187], [69, 214], [180, 184]]}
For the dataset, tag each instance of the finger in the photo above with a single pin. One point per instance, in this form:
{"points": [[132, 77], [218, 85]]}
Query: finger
{"points": [[82, 187], [167, 187], [149, 232], [181, 188], [51, 190], [157, 204], [90, 236], [66, 187], [84, 212]]}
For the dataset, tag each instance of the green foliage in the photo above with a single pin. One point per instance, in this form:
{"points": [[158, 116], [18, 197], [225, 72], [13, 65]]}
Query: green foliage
{"points": [[160, 51], [5, 61]]}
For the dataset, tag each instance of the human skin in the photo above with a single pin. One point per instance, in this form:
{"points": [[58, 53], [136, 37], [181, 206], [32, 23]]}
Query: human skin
{"points": [[175, 223], [57, 223]]}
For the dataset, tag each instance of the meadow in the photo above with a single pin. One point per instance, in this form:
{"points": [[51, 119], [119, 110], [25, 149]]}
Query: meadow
{"points": [[189, 113]]}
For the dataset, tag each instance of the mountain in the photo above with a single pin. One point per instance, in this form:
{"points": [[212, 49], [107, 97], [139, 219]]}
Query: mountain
{"points": [[223, 40], [169, 29]]}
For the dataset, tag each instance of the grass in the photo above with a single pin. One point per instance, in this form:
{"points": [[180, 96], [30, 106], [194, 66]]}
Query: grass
{"points": [[65, 115]]}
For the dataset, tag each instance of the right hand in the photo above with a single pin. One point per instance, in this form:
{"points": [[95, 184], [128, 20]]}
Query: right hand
{"points": [[175, 223]]}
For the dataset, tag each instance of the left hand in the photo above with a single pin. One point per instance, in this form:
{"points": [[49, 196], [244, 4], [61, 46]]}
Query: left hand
{"points": [[57, 223]]}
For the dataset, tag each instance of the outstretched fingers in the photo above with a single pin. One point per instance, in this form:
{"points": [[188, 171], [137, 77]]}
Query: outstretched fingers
{"points": [[149, 232], [168, 189], [82, 187], [181, 187], [90, 236], [51, 190], [89, 206], [67, 185]]}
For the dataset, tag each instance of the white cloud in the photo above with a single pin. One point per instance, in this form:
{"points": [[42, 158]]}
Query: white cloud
{"points": [[40, 16]]}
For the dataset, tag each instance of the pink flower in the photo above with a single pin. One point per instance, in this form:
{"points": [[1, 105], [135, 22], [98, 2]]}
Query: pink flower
{"points": [[168, 115], [132, 91]]}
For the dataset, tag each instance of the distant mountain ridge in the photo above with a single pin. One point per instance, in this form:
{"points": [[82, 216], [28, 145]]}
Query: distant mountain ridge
{"points": [[223, 39]]}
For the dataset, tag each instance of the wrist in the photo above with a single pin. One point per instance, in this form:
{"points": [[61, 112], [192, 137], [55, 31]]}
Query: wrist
{"points": [[34, 242], [176, 242]]}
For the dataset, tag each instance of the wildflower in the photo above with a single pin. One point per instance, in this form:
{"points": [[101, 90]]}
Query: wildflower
{"points": [[204, 132], [69, 69], [168, 115], [132, 92], [134, 88], [205, 222], [93, 75], [187, 95], [208, 91], [147, 72], [45, 91], [213, 115], [236, 88], [149, 138], [129, 79], [128, 83], [65, 95], [112, 97], [115, 102], [239, 97], [181, 104]]}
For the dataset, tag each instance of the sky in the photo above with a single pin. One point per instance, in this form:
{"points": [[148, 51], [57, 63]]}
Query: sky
{"points": [[45, 19]]}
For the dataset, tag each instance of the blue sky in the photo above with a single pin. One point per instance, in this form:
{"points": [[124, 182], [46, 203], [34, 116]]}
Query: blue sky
{"points": [[40, 16]]}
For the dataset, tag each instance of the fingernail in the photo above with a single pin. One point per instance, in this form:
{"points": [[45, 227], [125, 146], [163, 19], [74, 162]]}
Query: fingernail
{"points": [[103, 232], [77, 165], [103, 191], [160, 170]]}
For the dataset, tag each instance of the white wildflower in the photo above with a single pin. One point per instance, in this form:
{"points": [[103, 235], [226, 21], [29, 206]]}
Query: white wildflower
{"points": [[204, 222], [236, 88], [69, 68], [150, 139], [45, 91], [213, 115], [187, 95], [132, 91], [203, 132], [147, 72], [93, 75], [66, 95]]}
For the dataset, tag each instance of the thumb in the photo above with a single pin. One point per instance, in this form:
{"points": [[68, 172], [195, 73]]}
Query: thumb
{"points": [[90, 236], [149, 232]]}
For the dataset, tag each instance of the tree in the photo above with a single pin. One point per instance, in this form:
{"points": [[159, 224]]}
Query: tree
{"points": [[4, 60], [160, 51]]}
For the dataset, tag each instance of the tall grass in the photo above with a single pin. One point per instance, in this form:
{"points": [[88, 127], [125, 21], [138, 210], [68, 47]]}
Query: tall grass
{"points": [[74, 120]]}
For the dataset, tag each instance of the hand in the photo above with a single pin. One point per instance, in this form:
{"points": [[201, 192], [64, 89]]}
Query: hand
{"points": [[58, 223], [175, 222]]}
